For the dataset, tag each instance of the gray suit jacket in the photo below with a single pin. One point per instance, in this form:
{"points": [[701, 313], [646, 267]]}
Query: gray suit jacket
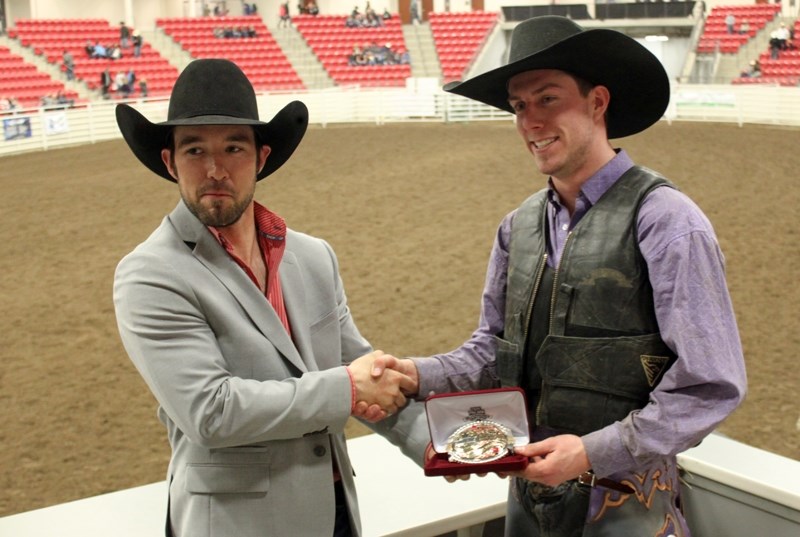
{"points": [[253, 416]]}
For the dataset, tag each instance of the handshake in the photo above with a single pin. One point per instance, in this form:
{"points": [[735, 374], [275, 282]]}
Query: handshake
{"points": [[381, 383]]}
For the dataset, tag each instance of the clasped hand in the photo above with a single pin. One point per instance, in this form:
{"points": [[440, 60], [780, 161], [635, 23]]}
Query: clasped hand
{"points": [[382, 383]]}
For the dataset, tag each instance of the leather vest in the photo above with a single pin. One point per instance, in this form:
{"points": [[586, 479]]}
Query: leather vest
{"points": [[600, 353]]}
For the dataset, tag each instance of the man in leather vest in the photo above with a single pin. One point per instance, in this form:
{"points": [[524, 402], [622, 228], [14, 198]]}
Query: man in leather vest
{"points": [[605, 297]]}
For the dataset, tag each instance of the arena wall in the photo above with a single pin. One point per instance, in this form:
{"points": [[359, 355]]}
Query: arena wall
{"points": [[421, 100]]}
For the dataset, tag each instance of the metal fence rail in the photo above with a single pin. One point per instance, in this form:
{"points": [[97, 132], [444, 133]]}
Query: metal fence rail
{"points": [[39, 129]]}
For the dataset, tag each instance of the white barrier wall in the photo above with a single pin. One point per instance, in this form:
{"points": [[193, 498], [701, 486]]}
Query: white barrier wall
{"points": [[732, 490], [37, 129]]}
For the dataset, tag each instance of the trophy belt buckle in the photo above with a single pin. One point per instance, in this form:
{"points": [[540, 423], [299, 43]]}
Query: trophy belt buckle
{"points": [[479, 442]]}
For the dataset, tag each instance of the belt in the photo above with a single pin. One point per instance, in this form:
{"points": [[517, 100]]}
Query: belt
{"points": [[591, 480]]}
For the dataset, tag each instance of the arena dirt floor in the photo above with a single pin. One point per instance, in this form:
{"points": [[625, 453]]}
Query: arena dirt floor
{"points": [[411, 211]]}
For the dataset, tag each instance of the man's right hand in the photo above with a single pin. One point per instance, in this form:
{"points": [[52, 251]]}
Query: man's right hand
{"points": [[404, 366], [384, 391]]}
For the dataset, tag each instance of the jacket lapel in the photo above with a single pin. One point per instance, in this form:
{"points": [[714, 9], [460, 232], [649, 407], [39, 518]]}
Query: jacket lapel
{"points": [[294, 297], [213, 256]]}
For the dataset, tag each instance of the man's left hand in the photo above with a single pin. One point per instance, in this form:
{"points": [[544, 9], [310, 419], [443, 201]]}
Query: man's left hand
{"points": [[554, 460]]}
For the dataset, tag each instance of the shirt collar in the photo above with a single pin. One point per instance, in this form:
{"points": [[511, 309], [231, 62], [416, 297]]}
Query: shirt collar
{"points": [[603, 179], [268, 225]]}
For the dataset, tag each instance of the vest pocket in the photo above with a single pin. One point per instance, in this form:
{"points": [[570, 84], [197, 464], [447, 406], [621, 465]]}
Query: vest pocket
{"points": [[589, 383], [508, 362]]}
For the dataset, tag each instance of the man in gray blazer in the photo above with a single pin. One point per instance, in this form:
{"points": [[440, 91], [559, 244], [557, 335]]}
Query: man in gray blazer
{"points": [[240, 326]]}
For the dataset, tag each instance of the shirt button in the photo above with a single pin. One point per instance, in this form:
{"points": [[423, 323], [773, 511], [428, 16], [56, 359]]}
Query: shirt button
{"points": [[319, 451], [564, 227]]}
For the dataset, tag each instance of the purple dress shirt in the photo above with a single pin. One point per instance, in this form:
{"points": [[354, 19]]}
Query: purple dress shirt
{"points": [[694, 312]]}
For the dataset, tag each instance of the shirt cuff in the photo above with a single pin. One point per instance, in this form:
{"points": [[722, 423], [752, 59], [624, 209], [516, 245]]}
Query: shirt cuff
{"points": [[607, 453], [427, 371], [352, 390]]}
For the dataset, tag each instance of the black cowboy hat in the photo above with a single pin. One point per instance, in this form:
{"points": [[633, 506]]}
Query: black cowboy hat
{"points": [[636, 79], [213, 92]]}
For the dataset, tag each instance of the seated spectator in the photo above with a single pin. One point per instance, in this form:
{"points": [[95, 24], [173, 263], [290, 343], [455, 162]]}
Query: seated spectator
{"points": [[753, 70], [143, 87], [744, 28], [63, 101], [99, 51], [121, 84], [47, 101], [386, 15], [312, 8], [114, 52], [357, 57], [404, 58], [374, 54], [251, 32], [8, 104], [89, 48], [371, 19]]}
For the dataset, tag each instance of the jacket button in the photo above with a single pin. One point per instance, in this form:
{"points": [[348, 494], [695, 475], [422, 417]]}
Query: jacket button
{"points": [[319, 451]]}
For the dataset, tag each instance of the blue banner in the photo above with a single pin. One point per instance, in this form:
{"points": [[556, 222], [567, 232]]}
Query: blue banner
{"points": [[16, 128]]}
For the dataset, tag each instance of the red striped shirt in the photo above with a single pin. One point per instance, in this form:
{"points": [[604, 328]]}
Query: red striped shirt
{"points": [[271, 232]]}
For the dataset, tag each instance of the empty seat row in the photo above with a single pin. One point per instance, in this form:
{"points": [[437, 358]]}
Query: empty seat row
{"points": [[771, 80], [260, 57], [75, 34], [457, 38], [229, 20]]}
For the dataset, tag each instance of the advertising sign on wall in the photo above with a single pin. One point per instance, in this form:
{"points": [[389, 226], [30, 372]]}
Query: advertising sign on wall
{"points": [[16, 128]]}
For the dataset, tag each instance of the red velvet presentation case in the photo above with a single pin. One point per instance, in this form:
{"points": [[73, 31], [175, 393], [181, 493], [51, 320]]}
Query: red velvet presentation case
{"points": [[449, 411]]}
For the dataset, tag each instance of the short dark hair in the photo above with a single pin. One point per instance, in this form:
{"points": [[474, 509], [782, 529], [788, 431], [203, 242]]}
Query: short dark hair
{"points": [[584, 86]]}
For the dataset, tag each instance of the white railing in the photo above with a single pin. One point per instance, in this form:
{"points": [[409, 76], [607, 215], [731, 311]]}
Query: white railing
{"points": [[38, 129]]}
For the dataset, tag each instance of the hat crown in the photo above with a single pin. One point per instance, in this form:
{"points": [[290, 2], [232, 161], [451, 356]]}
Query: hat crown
{"points": [[540, 33], [212, 87], [213, 92], [636, 79]]}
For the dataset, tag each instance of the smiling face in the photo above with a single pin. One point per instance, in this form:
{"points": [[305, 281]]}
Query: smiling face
{"points": [[562, 123], [216, 168]]}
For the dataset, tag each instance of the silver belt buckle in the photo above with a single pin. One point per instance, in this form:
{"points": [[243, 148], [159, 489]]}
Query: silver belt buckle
{"points": [[587, 478]]}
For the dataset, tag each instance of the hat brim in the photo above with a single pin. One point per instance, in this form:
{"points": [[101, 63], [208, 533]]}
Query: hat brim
{"points": [[636, 79], [146, 139]]}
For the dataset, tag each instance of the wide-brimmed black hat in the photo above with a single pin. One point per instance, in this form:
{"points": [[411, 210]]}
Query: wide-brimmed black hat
{"points": [[213, 92], [635, 78]]}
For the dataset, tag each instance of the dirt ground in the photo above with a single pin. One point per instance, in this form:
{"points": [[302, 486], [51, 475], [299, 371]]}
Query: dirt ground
{"points": [[411, 211]]}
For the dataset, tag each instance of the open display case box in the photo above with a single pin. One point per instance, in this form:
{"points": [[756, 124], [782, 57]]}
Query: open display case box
{"points": [[449, 412]]}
